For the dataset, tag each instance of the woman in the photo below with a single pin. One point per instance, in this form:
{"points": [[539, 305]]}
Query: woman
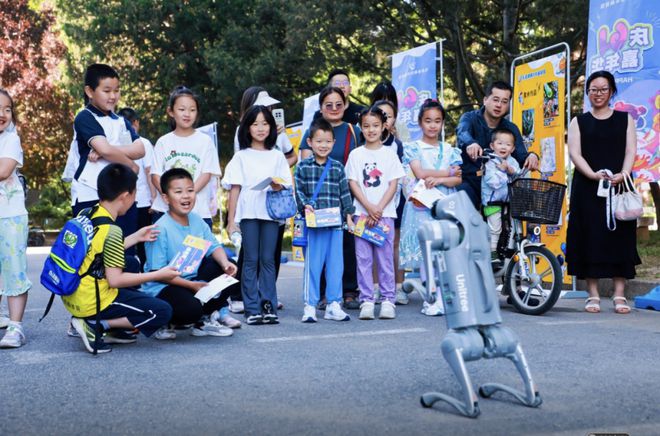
{"points": [[598, 140], [333, 104]]}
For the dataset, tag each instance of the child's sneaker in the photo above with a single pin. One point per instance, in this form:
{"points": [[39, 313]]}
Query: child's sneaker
{"points": [[119, 336], [71, 332], [334, 312], [387, 310], [435, 309], [226, 319], [14, 337], [309, 314], [210, 327], [367, 311], [256, 319], [88, 335], [165, 333], [236, 306], [401, 297], [269, 316]]}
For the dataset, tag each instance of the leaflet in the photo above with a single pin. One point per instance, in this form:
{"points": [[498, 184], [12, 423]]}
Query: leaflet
{"points": [[191, 254], [214, 288], [267, 181]]}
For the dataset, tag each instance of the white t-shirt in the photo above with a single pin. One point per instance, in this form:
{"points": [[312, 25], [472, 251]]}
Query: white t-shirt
{"points": [[249, 167], [196, 154], [143, 194], [373, 170], [283, 143], [12, 197]]}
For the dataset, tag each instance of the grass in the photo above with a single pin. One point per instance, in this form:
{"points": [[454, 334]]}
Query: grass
{"points": [[649, 251]]}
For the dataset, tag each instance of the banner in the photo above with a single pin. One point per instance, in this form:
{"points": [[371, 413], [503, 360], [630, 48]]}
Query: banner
{"points": [[415, 79], [621, 41], [214, 184], [539, 110], [310, 108]]}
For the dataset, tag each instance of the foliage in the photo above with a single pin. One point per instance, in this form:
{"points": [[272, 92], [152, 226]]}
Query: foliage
{"points": [[30, 53], [53, 207]]}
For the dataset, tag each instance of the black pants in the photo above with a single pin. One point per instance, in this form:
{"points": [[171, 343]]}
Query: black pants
{"points": [[471, 184], [186, 309]]}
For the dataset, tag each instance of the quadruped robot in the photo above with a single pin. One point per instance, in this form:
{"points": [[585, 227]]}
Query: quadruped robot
{"points": [[456, 255]]}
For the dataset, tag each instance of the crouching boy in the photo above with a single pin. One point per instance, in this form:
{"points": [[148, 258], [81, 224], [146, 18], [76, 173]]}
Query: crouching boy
{"points": [[121, 306]]}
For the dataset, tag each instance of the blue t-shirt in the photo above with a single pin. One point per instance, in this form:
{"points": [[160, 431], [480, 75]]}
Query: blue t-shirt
{"points": [[342, 131], [170, 240]]}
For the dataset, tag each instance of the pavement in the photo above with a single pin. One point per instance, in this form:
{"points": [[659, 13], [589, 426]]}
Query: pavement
{"points": [[596, 373]]}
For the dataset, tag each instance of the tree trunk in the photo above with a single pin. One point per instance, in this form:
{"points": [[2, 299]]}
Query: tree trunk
{"points": [[509, 25]]}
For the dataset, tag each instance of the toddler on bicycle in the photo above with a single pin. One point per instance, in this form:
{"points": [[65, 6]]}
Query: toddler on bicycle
{"points": [[498, 172]]}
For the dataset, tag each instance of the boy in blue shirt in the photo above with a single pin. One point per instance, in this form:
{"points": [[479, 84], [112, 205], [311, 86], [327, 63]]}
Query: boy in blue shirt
{"points": [[180, 221]]}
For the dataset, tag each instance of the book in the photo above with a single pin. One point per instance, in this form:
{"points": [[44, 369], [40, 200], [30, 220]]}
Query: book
{"points": [[214, 288], [424, 196], [328, 217], [376, 234], [191, 254], [267, 181]]}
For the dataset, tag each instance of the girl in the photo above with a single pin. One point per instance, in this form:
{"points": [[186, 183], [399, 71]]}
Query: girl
{"points": [[185, 148], [256, 160], [437, 163], [14, 222], [373, 173]]}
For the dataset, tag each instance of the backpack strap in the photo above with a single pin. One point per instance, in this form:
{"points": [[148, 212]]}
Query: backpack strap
{"points": [[97, 326], [347, 143]]}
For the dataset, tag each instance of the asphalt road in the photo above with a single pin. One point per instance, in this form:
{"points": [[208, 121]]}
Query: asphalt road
{"points": [[595, 373]]}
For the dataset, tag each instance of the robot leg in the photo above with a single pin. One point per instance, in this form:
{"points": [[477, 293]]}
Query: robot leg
{"points": [[502, 342], [460, 346]]}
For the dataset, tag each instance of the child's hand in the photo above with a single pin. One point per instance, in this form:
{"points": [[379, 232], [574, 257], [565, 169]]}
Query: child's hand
{"points": [[432, 182], [374, 211], [93, 156], [504, 166], [196, 286], [371, 222], [350, 223], [276, 186], [309, 208], [232, 228], [148, 233], [230, 269], [455, 171], [166, 274]]}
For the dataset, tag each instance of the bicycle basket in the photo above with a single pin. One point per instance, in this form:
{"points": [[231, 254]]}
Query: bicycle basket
{"points": [[536, 201]]}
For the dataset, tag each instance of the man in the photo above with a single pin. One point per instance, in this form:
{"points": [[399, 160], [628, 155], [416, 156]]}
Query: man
{"points": [[338, 78], [474, 134]]}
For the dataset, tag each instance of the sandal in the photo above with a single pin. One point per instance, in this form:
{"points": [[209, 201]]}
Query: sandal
{"points": [[592, 305], [621, 308]]}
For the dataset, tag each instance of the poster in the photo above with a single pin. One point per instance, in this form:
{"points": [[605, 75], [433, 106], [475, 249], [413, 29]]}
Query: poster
{"points": [[415, 80], [622, 41], [539, 110]]}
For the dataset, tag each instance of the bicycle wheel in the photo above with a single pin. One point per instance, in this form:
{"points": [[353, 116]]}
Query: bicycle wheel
{"points": [[539, 292]]}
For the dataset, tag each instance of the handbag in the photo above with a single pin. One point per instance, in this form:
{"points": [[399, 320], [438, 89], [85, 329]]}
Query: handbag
{"points": [[281, 204], [628, 204]]}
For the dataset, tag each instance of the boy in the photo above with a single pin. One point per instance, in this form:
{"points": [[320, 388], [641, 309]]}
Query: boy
{"points": [[120, 306], [102, 137], [324, 245], [494, 184], [178, 222]]}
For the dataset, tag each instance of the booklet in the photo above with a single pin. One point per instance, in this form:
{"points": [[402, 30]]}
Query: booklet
{"points": [[376, 234], [214, 288], [328, 217], [424, 196], [191, 254], [267, 181]]}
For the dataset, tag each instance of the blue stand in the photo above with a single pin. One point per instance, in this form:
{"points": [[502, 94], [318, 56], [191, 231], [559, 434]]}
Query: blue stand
{"points": [[651, 300]]}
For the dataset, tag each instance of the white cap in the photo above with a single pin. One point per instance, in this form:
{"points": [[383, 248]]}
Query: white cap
{"points": [[263, 99]]}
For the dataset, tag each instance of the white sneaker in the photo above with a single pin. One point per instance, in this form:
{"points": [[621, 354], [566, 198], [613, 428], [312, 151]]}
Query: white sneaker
{"points": [[387, 310], [334, 312], [14, 337], [367, 310], [309, 313], [230, 321], [72, 332], [164, 333], [402, 297], [211, 327], [435, 309], [236, 306], [4, 322]]}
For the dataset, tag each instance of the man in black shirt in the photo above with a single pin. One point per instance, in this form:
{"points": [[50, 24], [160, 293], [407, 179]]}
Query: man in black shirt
{"points": [[339, 79]]}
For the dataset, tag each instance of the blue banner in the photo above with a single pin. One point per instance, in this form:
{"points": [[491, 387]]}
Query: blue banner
{"points": [[414, 78], [621, 41]]}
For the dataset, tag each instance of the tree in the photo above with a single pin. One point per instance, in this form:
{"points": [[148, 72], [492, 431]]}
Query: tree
{"points": [[30, 55]]}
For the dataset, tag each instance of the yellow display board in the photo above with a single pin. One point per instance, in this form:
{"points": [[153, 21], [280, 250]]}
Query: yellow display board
{"points": [[539, 110]]}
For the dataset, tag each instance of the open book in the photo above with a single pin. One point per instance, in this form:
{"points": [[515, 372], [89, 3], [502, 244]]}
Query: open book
{"points": [[214, 288], [424, 196], [267, 181], [190, 255]]}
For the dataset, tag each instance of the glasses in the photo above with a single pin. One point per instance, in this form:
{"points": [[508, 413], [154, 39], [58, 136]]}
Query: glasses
{"points": [[331, 106], [340, 83], [598, 91]]}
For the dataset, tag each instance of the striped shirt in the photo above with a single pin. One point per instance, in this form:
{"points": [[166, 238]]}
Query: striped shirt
{"points": [[334, 190]]}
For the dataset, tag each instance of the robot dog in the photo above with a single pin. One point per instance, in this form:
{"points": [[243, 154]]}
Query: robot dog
{"points": [[456, 255]]}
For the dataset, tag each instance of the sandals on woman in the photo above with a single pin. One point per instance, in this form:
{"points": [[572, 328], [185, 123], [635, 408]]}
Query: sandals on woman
{"points": [[592, 305], [621, 308]]}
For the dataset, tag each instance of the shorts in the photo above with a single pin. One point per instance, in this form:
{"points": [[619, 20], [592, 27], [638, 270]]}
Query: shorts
{"points": [[13, 258]]}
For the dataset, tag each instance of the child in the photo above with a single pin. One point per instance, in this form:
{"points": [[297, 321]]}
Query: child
{"points": [[373, 172], [180, 221], [494, 185], [121, 306], [14, 222], [324, 245], [102, 137], [146, 191], [256, 160], [185, 148], [437, 163]]}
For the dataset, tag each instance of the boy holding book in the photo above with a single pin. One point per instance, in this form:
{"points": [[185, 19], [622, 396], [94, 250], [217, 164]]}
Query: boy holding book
{"points": [[324, 244], [174, 226]]}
